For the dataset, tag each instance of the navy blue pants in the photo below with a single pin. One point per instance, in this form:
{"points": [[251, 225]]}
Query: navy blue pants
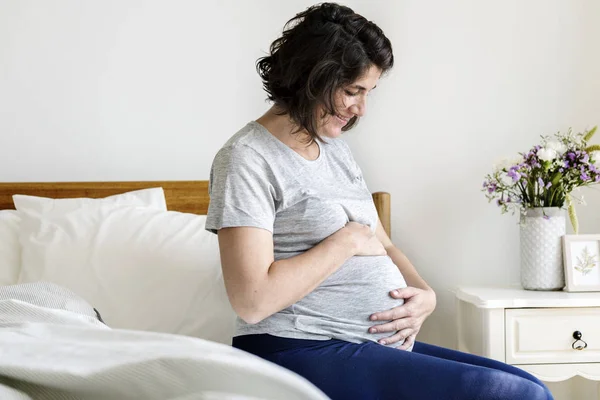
{"points": [[370, 371]]}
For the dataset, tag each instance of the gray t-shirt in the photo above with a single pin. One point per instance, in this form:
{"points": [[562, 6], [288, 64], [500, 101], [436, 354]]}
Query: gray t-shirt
{"points": [[256, 180]]}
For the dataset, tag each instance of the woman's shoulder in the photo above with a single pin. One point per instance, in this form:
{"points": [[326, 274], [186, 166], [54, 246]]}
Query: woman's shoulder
{"points": [[248, 136], [248, 148], [248, 142]]}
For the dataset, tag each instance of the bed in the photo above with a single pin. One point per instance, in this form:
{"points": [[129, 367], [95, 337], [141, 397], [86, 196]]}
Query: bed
{"points": [[169, 330]]}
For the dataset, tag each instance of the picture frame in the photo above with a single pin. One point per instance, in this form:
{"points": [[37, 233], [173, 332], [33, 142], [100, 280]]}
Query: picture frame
{"points": [[581, 259]]}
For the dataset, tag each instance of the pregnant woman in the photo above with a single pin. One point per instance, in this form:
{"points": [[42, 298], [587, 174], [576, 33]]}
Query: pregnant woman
{"points": [[317, 284]]}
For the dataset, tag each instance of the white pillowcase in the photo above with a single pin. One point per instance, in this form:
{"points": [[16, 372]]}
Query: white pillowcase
{"points": [[151, 198], [10, 248], [141, 268]]}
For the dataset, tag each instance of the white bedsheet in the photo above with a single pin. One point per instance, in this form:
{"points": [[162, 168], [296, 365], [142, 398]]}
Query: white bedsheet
{"points": [[54, 353]]}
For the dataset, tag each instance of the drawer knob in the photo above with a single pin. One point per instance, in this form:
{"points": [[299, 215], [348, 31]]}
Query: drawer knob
{"points": [[578, 344]]}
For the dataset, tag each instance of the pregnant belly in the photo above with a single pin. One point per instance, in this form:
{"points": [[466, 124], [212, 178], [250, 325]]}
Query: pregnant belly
{"points": [[341, 306]]}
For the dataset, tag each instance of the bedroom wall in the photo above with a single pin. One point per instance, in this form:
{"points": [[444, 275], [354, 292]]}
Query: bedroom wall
{"points": [[149, 90]]}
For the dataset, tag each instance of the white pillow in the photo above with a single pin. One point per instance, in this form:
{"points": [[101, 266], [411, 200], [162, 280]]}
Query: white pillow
{"points": [[152, 198], [10, 249], [141, 268]]}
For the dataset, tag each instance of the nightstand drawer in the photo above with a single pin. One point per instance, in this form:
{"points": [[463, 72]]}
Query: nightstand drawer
{"points": [[545, 336]]}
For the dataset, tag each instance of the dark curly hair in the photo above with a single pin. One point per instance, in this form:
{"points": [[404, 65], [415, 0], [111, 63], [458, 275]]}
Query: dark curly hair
{"points": [[322, 49]]}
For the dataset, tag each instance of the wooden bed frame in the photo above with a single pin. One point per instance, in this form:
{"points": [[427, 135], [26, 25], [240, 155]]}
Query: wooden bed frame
{"points": [[183, 196]]}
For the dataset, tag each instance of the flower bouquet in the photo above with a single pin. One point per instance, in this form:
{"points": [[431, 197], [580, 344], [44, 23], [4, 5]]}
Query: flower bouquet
{"points": [[546, 175]]}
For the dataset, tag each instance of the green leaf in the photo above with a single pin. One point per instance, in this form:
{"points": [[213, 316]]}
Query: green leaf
{"points": [[556, 178], [594, 147], [590, 134], [573, 215], [531, 194]]}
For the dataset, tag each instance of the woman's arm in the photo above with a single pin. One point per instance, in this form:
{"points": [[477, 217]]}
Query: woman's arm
{"points": [[408, 271], [419, 300], [258, 286]]}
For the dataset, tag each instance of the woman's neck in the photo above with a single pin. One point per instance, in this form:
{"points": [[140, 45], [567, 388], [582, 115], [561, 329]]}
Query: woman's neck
{"points": [[283, 128]]}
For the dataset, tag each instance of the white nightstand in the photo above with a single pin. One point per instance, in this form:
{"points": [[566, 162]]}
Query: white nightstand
{"points": [[532, 330]]}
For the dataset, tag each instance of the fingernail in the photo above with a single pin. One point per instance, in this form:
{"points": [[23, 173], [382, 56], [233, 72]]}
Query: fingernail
{"points": [[372, 330], [395, 293], [382, 342], [373, 318]]}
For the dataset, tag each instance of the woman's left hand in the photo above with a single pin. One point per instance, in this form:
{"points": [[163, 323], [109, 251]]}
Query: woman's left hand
{"points": [[405, 320]]}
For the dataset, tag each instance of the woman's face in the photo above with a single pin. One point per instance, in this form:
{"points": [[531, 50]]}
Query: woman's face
{"points": [[350, 101]]}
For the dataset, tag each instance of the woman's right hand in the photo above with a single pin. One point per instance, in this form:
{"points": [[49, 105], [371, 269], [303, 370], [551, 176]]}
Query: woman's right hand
{"points": [[372, 247], [363, 240]]}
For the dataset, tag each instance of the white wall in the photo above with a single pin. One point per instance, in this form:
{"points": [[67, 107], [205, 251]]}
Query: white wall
{"points": [[149, 90]]}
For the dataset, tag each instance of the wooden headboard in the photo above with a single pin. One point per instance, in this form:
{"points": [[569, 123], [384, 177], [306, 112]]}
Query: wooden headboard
{"points": [[183, 196]]}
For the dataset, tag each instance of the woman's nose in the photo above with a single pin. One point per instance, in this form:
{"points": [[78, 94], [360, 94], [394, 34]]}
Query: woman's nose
{"points": [[360, 107]]}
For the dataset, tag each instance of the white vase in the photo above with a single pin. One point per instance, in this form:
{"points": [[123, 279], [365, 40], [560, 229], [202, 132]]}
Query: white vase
{"points": [[541, 230]]}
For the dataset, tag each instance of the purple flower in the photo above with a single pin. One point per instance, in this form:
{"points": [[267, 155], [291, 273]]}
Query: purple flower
{"points": [[567, 165], [546, 216], [571, 156], [548, 185], [492, 188], [514, 175], [597, 178], [540, 182], [586, 158], [561, 170], [585, 177]]}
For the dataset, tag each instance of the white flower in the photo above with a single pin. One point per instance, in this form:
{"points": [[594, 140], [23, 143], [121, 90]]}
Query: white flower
{"points": [[595, 155], [506, 163], [557, 146], [547, 154]]}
